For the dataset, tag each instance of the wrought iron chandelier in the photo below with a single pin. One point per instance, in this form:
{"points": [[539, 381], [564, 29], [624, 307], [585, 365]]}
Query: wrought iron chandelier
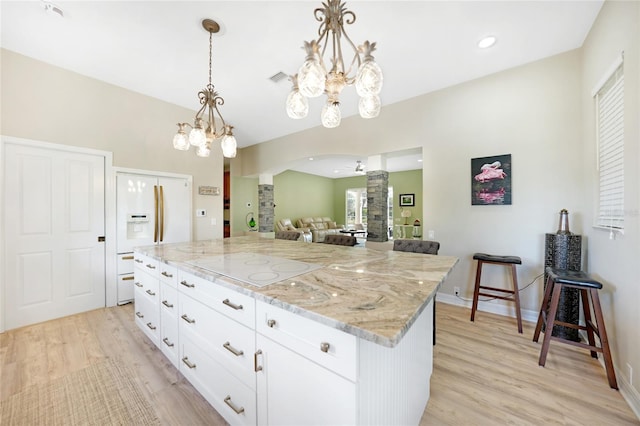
{"points": [[203, 133], [313, 79]]}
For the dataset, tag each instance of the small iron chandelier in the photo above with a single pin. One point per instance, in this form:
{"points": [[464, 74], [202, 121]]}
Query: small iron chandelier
{"points": [[312, 79], [203, 133]]}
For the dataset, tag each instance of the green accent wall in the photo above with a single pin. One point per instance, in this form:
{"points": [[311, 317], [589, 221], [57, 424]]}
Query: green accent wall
{"points": [[299, 195]]}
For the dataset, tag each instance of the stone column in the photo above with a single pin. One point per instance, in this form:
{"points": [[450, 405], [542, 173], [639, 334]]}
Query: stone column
{"points": [[266, 209], [377, 206]]}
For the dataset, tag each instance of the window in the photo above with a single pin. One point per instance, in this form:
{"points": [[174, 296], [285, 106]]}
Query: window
{"points": [[609, 101], [357, 206]]}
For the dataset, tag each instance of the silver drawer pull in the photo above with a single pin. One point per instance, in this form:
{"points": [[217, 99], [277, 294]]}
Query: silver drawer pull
{"points": [[232, 305], [187, 319], [138, 284], [227, 401], [167, 304], [150, 266], [186, 284], [166, 274], [257, 367], [128, 258], [188, 363], [231, 349], [271, 323], [139, 315], [139, 261], [167, 342], [324, 347], [151, 326], [150, 293], [127, 278]]}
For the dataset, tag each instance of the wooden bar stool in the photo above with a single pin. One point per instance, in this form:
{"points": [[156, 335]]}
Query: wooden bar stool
{"points": [[498, 293], [557, 279]]}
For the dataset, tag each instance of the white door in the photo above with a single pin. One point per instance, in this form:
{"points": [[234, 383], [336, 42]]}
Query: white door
{"points": [[54, 216]]}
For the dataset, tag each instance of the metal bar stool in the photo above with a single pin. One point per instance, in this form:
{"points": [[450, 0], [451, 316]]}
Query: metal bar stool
{"points": [[513, 295], [557, 279]]}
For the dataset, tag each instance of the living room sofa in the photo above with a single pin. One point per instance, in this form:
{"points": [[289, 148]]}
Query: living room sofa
{"points": [[287, 225], [320, 227]]}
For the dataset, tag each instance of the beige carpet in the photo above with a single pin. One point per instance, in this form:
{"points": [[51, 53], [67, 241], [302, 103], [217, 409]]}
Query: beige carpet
{"points": [[101, 394]]}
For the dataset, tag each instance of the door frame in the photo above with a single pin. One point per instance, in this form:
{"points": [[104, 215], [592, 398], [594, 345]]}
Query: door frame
{"points": [[109, 215]]}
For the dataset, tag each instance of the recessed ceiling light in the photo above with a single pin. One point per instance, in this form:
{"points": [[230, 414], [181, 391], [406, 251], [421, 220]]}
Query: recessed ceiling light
{"points": [[420, 160], [487, 42], [310, 158]]}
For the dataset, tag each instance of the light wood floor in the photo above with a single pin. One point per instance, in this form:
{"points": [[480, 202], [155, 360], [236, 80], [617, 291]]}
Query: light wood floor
{"points": [[485, 373]]}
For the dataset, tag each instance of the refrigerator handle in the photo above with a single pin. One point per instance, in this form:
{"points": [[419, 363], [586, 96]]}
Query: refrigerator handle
{"points": [[161, 211], [155, 213]]}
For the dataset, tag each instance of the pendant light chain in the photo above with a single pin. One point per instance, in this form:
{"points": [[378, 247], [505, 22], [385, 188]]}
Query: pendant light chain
{"points": [[210, 55]]}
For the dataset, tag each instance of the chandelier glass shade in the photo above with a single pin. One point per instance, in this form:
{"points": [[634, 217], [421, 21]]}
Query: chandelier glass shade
{"points": [[313, 79], [208, 124]]}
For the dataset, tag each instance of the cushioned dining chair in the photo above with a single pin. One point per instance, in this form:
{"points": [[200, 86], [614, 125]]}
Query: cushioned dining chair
{"points": [[425, 247]]}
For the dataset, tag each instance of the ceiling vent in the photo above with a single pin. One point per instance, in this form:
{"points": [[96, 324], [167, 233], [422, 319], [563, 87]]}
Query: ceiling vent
{"points": [[278, 77]]}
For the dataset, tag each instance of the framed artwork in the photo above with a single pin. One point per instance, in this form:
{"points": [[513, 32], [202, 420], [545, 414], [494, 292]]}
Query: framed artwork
{"points": [[491, 180], [407, 200]]}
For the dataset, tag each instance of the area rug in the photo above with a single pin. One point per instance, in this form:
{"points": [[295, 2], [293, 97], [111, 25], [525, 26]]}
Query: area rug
{"points": [[101, 394]]}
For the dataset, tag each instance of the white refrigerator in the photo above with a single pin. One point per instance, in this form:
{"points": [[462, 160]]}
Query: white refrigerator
{"points": [[150, 209]]}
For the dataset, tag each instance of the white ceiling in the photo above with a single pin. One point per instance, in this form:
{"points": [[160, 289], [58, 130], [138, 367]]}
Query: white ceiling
{"points": [[159, 48]]}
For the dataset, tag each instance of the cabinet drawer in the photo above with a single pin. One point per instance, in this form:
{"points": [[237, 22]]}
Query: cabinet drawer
{"points": [[125, 263], [168, 274], [228, 302], [169, 339], [146, 317], [223, 391], [146, 264], [169, 300], [125, 288], [147, 286], [227, 341], [329, 347]]}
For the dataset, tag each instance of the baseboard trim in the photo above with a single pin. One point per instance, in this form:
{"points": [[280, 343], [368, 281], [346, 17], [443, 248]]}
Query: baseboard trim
{"points": [[492, 307], [628, 392]]}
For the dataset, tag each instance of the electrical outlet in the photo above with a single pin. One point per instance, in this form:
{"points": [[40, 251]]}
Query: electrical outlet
{"points": [[432, 234], [456, 291]]}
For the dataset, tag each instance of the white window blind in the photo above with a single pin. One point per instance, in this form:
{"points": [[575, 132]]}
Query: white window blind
{"points": [[610, 135]]}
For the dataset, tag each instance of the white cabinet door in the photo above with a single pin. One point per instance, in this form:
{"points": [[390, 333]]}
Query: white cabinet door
{"points": [[293, 390], [176, 212]]}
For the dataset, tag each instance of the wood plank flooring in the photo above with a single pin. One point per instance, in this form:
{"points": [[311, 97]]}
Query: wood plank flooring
{"points": [[485, 373]]}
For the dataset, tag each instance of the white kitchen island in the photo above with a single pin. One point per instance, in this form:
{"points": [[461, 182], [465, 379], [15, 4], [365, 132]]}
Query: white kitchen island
{"points": [[275, 332]]}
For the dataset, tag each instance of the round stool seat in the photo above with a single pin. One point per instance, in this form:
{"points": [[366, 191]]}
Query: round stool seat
{"points": [[497, 259], [574, 278]]}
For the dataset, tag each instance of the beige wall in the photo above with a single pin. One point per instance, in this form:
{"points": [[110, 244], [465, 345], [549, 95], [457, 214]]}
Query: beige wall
{"points": [[616, 261], [541, 114], [45, 103]]}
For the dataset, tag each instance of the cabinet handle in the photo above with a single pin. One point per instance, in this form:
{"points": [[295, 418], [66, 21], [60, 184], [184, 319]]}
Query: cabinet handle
{"points": [[227, 401], [271, 323], [128, 278], [257, 367], [138, 284], [187, 319], [167, 342], [150, 293], [151, 326], [139, 261], [150, 266], [166, 274], [189, 364], [186, 284], [128, 258], [167, 304], [233, 350], [232, 305], [139, 315], [324, 347]]}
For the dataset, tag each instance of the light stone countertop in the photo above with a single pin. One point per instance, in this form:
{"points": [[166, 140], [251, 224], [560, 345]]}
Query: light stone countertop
{"points": [[372, 294]]}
